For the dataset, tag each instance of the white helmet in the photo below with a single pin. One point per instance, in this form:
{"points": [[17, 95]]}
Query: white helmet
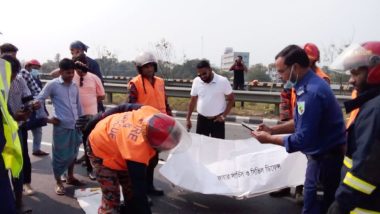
{"points": [[145, 58]]}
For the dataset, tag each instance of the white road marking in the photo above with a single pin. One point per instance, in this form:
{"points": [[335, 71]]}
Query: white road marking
{"points": [[49, 144]]}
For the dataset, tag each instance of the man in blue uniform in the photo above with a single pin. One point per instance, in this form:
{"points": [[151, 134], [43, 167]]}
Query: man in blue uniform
{"points": [[358, 191], [318, 128]]}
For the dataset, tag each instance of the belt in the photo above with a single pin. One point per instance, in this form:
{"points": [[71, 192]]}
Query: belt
{"points": [[333, 152], [211, 118]]}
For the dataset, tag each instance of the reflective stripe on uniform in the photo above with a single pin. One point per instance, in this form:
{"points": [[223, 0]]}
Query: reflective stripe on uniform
{"points": [[4, 77], [363, 211], [347, 162], [358, 184]]}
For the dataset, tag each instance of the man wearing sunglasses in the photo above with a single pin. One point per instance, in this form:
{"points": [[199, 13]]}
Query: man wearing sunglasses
{"points": [[210, 92], [318, 128]]}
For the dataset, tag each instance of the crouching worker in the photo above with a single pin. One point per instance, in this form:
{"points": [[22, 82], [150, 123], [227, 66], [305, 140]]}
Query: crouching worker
{"points": [[120, 147]]}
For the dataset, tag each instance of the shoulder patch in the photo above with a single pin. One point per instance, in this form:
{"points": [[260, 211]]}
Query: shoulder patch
{"points": [[301, 107]]}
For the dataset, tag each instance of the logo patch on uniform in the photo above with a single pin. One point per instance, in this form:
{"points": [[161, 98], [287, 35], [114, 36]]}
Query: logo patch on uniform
{"points": [[301, 107]]}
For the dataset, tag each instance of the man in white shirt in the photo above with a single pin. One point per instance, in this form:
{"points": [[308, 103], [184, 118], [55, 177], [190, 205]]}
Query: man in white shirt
{"points": [[210, 92]]}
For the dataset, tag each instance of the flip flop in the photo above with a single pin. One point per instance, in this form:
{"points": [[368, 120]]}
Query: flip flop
{"points": [[74, 182], [60, 190]]}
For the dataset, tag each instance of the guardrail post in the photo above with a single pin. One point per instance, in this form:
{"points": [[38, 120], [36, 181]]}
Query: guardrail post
{"points": [[277, 109], [109, 97]]}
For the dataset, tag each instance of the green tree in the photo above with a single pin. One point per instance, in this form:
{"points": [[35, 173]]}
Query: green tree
{"points": [[50, 65], [164, 53], [107, 61], [258, 72]]}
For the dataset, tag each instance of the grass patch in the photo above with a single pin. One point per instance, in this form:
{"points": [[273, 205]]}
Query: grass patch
{"points": [[181, 104]]}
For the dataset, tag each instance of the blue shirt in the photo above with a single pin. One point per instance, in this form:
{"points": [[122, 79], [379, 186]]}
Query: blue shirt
{"points": [[318, 118], [65, 99]]}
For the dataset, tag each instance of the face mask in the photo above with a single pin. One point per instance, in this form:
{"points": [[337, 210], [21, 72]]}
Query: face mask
{"points": [[289, 84], [35, 73]]}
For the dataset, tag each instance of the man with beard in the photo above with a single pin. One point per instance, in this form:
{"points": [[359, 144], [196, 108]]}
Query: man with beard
{"points": [[358, 191], [209, 92]]}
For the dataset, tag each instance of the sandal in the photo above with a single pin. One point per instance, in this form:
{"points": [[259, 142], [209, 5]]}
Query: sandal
{"points": [[74, 182], [60, 190]]}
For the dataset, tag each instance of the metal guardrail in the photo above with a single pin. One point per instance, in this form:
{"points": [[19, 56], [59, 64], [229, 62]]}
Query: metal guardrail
{"points": [[269, 97], [245, 96], [185, 83]]}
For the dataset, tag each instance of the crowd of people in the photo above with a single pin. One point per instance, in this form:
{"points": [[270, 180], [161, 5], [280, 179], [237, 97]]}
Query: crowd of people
{"points": [[122, 144]]}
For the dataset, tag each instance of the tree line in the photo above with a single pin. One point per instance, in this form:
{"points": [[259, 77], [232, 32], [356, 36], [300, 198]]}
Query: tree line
{"points": [[110, 65]]}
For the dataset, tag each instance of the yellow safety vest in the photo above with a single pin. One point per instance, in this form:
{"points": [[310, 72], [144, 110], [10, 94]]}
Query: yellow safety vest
{"points": [[12, 153]]}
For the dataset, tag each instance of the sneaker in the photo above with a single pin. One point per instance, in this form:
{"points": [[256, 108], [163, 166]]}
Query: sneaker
{"points": [[28, 189], [40, 153]]}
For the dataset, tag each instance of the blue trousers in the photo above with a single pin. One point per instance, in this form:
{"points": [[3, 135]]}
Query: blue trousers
{"points": [[324, 173]]}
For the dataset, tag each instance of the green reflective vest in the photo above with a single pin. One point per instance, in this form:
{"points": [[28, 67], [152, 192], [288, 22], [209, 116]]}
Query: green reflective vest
{"points": [[12, 153]]}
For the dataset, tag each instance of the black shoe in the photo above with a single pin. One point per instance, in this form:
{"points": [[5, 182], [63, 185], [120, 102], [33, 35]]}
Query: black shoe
{"points": [[280, 193], [155, 192], [91, 175]]}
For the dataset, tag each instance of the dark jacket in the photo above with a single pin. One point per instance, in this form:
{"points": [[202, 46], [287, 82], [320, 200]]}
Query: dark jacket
{"points": [[360, 183]]}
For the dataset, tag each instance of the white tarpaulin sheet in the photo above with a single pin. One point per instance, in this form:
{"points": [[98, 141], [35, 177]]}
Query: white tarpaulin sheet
{"points": [[238, 168]]}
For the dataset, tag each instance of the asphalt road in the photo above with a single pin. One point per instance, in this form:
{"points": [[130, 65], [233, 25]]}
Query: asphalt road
{"points": [[175, 200]]}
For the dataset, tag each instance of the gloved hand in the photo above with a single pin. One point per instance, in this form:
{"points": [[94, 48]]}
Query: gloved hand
{"points": [[335, 208], [82, 122]]}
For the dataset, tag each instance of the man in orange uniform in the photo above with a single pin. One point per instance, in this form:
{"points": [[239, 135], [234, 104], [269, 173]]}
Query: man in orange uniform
{"points": [[120, 147], [147, 89]]}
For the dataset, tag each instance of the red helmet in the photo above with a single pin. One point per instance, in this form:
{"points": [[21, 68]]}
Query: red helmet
{"points": [[361, 55], [312, 51], [33, 62], [162, 132]]}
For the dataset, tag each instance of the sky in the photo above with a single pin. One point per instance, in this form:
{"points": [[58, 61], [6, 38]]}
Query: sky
{"points": [[195, 29]]}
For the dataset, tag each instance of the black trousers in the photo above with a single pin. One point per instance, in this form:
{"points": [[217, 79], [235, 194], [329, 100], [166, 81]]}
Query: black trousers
{"points": [[86, 159], [150, 171], [238, 80], [206, 126]]}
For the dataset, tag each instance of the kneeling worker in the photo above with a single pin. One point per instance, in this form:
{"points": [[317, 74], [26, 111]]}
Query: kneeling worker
{"points": [[120, 147]]}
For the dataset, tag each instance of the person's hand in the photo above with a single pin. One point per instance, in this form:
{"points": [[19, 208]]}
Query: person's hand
{"points": [[219, 118], [188, 124], [36, 104], [53, 120], [22, 115], [261, 136], [265, 128]]}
